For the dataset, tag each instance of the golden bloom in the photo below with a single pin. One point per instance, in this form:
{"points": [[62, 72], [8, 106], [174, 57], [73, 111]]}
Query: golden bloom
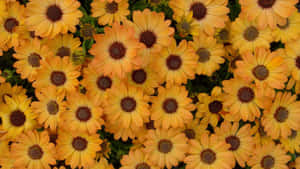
{"points": [[136, 159]]}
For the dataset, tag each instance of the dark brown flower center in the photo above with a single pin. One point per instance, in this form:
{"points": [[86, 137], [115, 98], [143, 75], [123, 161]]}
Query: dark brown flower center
{"points": [[128, 104], [139, 76], [54, 13], [281, 114], [208, 156], [10, 24], [111, 7], [267, 162], [17, 118], [266, 3], [83, 114], [224, 34], [246, 94], [34, 60], [174, 62], [170, 105], [150, 125], [117, 50], [148, 38], [63, 51], [142, 166], [58, 78], [298, 62], [260, 72], [165, 146], [199, 10], [293, 134], [185, 26], [190, 133], [79, 143], [251, 33], [104, 82], [52, 107], [234, 142], [35, 152], [215, 106], [286, 25], [203, 54]]}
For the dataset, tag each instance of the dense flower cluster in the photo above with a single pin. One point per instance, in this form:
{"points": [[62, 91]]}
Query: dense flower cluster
{"points": [[110, 68]]}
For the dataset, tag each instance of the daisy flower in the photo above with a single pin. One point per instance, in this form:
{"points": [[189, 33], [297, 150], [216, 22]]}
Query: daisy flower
{"points": [[110, 11], [268, 12], [283, 116], [51, 17], [209, 54], [259, 134], [165, 148], [136, 159], [195, 129], [116, 51], [102, 164], [208, 14], [209, 152], [6, 90], [292, 57], [33, 150], [292, 143], [187, 25], [269, 156], [171, 108]]}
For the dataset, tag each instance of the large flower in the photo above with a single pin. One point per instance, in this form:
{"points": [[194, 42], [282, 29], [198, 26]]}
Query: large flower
{"points": [[51, 17]]}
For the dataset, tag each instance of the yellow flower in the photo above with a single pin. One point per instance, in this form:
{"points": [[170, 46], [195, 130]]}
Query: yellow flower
{"points": [[292, 56], [110, 11], [186, 25], [33, 151], [195, 129], [102, 164], [259, 134], [292, 143], [6, 90], [51, 17], [136, 159]]}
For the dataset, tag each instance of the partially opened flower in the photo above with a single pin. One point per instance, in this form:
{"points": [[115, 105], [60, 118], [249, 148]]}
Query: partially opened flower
{"points": [[33, 151], [172, 108], [29, 56], [110, 11], [246, 36], [176, 63], [79, 150], [240, 140], [283, 116], [269, 156], [116, 51], [260, 136], [49, 18], [209, 54], [57, 72], [268, 13], [208, 14], [292, 143], [6, 90], [195, 129], [136, 159], [165, 148], [187, 25], [209, 152]]}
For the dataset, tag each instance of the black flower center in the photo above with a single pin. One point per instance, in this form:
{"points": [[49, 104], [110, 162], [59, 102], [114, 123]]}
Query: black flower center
{"points": [[53, 107], [190, 133], [17, 118], [83, 114], [128, 104], [111, 7], [281, 114], [208, 156], [35, 152], [165, 146], [58, 78], [251, 33], [104, 82], [246, 94], [199, 10], [298, 62], [10, 24], [170, 105], [234, 142], [139, 76], [79, 143], [260, 72], [117, 50], [266, 3], [54, 13], [34, 60], [142, 166], [215, 106], [63, 51], [148, 38], [174, 62], [267, 162], [203, 54]]}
